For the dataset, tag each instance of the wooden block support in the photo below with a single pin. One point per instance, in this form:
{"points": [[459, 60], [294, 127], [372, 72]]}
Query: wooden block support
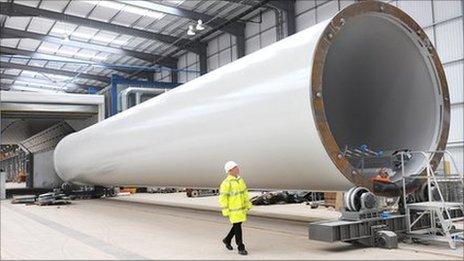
{"points": [[339, 201], [334, 199]]}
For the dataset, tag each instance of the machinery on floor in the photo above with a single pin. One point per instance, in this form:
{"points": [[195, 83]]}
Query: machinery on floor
{"points": [[288, 197], [429, 214]]}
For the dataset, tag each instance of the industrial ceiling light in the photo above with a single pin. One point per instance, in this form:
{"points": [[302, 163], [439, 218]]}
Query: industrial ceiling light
{"points": [[191, 31], [200, 26]]}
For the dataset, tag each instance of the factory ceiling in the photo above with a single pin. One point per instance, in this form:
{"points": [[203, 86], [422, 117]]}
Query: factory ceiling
{"points": [[68, 46]]}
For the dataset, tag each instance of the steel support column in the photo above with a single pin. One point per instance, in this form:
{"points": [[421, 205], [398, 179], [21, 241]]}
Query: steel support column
{"points": [[29, 170], [291, 17], [240, 42], [203, 60], [174, 76], [288, 7]]}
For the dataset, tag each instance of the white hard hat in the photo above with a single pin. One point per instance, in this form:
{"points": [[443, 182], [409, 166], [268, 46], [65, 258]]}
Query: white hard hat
{"points": [[230, 165]]}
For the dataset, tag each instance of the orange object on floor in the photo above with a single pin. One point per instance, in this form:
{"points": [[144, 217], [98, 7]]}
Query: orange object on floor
{"points": [[128, 189], [21, 177]]}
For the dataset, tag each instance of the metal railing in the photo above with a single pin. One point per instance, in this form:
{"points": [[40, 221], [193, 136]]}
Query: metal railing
{"points": [[439, 207]]}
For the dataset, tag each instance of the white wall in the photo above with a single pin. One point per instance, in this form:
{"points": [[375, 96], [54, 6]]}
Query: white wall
{"points": [[221, 50], [442, 21], [190, 62], [163, 76]]}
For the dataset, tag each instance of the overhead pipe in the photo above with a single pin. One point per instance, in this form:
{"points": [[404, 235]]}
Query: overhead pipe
{"points": [[138, 95], [369, 75]]}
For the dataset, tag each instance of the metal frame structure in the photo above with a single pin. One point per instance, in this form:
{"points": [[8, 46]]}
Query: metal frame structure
{"points": [[117, 80], [439, 211], [169, 62], [214, 23], [99, 78], [232, 25], [12, 9]]}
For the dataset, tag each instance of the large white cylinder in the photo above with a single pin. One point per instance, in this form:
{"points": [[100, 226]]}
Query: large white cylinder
{"points": [[284, 113]]}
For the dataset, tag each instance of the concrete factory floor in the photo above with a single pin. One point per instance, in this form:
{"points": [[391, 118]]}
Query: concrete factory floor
{"points": [[110, 229]]}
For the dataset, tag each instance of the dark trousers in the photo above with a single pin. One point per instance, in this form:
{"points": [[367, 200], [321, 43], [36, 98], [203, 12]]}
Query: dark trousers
{"points": [[236, 231]]}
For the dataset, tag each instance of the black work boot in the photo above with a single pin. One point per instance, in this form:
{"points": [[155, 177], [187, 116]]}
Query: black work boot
{"points": [[227, 244], [242, 251]]}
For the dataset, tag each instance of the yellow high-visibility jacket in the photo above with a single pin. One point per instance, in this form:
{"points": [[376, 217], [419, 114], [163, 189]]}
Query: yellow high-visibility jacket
{"points": [[234, 199]]}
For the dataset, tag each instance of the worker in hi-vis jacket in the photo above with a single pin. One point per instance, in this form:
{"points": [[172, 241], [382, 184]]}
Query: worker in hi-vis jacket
{"points": [[235, 204]]}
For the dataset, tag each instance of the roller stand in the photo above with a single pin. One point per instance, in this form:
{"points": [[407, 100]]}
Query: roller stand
{"points": [[362, 222]]}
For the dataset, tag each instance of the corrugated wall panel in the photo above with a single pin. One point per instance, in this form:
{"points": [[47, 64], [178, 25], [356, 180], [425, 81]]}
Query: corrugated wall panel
{"points": [[450, 40], [268, 21], [305, 20], [187, 61], [213, 62], [252, 29], [431, 34], [259, 35], [224, 41], [268, 37], [326, 11], [225, 57], [455, 79], [234, 52], [252, 44], [212, 47], [446, 9], [191, 58], [458, 156], [303, 6], [421, 11], [457, 124], [182, 77], [345, 3]]}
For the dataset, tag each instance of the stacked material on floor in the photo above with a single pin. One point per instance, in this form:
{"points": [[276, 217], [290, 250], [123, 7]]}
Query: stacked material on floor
{"points": [[24, 199], [285, 197], [162, 190], [53, 198], [195, 193], [130, 190]]}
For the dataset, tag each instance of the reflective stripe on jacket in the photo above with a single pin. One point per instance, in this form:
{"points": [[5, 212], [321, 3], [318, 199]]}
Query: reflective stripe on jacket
{"points": [[234, 199]]}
